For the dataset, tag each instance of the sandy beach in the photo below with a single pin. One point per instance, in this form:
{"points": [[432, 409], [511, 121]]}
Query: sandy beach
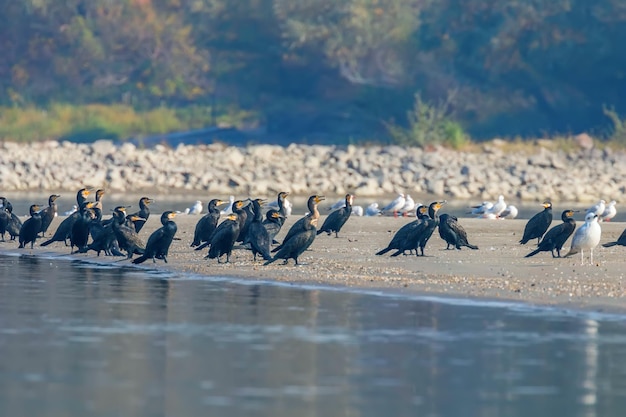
{"points": [[497, 270]]}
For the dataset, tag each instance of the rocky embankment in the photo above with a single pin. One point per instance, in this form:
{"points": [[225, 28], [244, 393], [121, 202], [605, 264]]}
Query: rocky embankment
{"points": [[581, 175]]}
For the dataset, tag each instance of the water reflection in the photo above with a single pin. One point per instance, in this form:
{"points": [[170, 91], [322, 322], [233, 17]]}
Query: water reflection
{"points": [[83, 340]]}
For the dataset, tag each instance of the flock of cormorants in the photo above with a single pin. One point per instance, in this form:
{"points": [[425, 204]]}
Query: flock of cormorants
{"points": [[246, 224]]}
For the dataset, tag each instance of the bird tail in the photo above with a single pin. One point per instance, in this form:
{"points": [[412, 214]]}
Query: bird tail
{"points": [[140, 259], [533, 253], [609, 244], [319, 231], [47, 242], [277, 248], [469, 245], [270, 260], [523, 241], [384, 251], [204, 245]]}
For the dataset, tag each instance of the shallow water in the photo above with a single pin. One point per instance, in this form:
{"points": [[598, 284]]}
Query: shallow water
{"points": [[79, 339]]}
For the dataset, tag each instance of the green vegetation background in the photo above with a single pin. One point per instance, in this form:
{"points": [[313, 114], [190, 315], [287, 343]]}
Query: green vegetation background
{"points": [[408, 71]]}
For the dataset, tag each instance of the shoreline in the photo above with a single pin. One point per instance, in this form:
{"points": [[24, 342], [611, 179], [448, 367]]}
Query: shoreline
{"points": [[497, 271]]}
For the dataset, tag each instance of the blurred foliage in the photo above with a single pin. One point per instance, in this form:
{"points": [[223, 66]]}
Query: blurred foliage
{"points": [[302, 67]]}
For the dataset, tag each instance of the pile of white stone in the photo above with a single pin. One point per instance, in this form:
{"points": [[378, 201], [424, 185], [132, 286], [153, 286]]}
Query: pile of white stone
{"points": [[580, 175]]}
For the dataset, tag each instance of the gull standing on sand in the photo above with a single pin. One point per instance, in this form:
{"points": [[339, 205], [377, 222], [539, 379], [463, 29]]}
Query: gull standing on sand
{"points": [[510, 212], [372, 210], [498, 207], [586, 237], [395, 205], [609, 212], [597, 209], [409, 206], [195, 209], [481, 209]]}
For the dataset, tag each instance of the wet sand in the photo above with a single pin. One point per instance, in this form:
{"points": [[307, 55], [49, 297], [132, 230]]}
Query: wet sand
{"points": [[497, 270]]}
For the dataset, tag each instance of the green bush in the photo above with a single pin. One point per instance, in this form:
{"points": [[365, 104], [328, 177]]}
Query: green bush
{"points": [[618, 134], [429, 124]]}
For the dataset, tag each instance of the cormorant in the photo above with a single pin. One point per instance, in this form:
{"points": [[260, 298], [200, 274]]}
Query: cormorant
{"points": [[398, 239], [281, 204], [103, 236], [236, 208], [9, 222], [65, 228], [225, 236], [247, 215], [419, 236], [258, 236], [335, 220], [97, 206], [301, 235], [49, 213], [31, 227], [273, 223], [159, 242], [141, 216], [538, 224], [207, 223], [556, 237], [586, 237], [621, 240], [453, 233], [300, 224], [79, 236], [127, 237]]}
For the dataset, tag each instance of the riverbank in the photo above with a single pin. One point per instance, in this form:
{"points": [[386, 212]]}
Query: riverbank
{"points": [[497, 270], [533, 173]]}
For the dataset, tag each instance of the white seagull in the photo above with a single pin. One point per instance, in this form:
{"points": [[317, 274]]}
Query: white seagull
{"points": [[586, 236], [482, 208], [510, 212], [229, 208], [372, 210], [195, 209], [609, 212], [498, 207], [598, 208], [395, 205], [409, 206], [357, 210]]}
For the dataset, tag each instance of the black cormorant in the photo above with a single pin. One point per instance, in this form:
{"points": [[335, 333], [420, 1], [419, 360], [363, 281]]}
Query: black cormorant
{"points": [[31, 227], [224, 237], [556, 237], [9, 222], [301, 235], [159, 242], [207, 223], [301, 224], [258, 237], [49, 213], [127, 237], [79, 235], [399, 238], [65, 228], [420, 236], [453, 233], [621, 240], [237, 208], [335, 220], [538, 224], [273, 223], [141, 216]]}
